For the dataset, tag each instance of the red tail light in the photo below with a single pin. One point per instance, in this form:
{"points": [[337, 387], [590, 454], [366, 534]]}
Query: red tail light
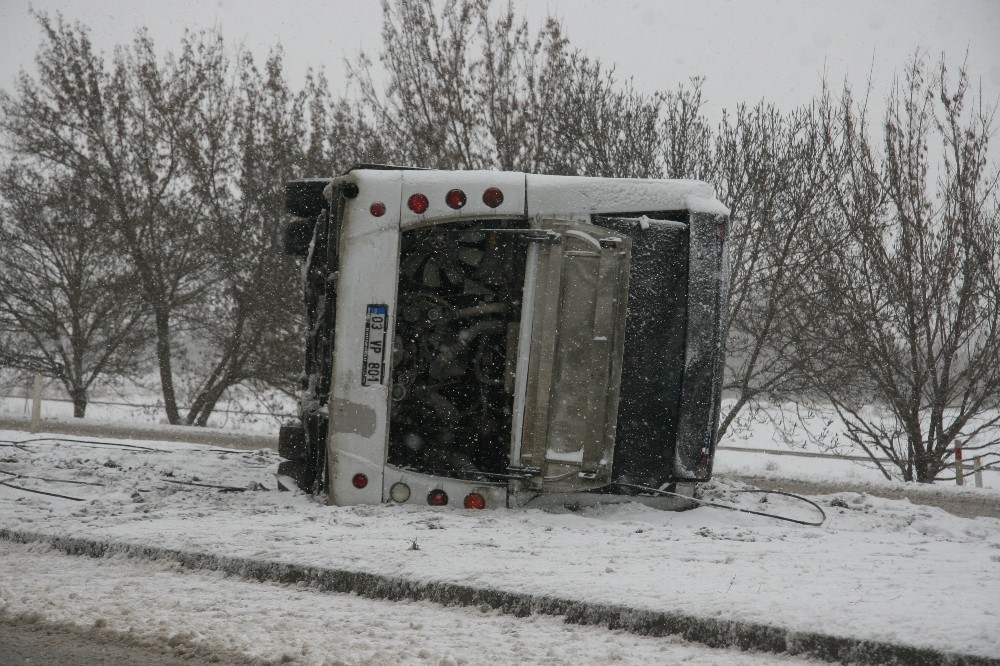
{"points": [[493, 197], [437, 497], [455, 199], [475, 501], [360, 480], [418, 203], [377, 209]]}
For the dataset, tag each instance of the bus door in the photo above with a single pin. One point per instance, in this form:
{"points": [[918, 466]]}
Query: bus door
{"points": [[566, 402]]}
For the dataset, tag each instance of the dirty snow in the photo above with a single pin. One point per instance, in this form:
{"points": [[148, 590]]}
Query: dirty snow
{"points": [[199, 613], [879, 569]]}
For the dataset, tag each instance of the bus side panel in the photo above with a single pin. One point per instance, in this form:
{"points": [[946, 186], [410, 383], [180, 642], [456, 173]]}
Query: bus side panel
{"points": [[653, 363], [366, 303], [704, 356]]}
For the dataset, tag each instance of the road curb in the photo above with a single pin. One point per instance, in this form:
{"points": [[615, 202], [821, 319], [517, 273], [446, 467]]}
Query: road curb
{"points": [[713, 632]]}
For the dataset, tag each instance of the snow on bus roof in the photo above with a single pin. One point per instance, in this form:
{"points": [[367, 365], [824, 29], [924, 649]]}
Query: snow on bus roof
{"points": [[555, 194], [548, 195]]}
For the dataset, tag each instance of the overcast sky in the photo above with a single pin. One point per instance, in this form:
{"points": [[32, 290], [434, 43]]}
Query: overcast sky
{"points": [[775, 50]]}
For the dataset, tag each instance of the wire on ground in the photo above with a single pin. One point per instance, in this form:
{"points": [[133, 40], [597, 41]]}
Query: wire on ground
{"points": [[20, 445], [741, 510]]}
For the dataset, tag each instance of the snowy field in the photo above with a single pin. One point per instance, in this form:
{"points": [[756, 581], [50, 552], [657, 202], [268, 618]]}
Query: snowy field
{"points": [[879, 569], [143, 409], [777, 429], [730, 461]]}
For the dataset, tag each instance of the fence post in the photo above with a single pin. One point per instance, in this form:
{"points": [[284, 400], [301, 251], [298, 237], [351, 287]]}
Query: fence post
{"points": [[36, 404], [977, 465], [959, 468]]}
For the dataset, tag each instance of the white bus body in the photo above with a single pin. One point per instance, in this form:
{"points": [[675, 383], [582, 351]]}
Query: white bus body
{"points": [[490, 339]]}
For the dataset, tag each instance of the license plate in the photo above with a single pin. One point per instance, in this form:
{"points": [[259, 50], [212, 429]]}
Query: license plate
{"points": [[376, 333]]}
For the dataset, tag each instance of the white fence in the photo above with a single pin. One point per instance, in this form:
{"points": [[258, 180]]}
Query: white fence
{"points": [[961, 472], [140, 410]]}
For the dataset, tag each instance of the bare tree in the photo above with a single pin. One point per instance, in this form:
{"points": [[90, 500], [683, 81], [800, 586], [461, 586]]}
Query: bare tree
{"points": [[769, 172], [904, 320], [472, 88], [123, 126], [686, 138], [604, 128], [517, 82], [336, 137], [427, 114], [253, 138], [67, 303], [187, 156], [765, 165]]}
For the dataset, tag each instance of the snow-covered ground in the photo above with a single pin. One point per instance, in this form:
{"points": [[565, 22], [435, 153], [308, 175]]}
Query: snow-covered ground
{"points": [[878, 569], [201, 614]]}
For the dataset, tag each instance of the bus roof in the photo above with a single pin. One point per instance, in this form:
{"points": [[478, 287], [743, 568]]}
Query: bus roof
{"points": [[550, 195]]}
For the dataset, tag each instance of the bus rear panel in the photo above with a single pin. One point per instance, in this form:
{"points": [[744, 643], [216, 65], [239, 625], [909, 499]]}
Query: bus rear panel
{"points": [[489, 339]]}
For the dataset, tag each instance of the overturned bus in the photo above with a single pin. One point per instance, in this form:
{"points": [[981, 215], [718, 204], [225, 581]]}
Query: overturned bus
{"points": [[493, 339]]}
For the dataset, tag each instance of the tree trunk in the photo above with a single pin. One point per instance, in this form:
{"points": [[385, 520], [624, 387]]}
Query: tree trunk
{"points": [[206, 409], [730, 416], [923, 466], [79, 396], [163, 360]]}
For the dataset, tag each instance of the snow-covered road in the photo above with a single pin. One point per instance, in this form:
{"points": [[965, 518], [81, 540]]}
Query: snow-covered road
{"points": [[883, 570], [202, 614]]}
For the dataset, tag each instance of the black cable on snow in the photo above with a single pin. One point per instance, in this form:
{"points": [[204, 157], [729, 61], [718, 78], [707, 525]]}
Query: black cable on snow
{"points": [[120, 445], [12, 445], [131, 447], [42, 478], [230, 489], [230, 451], [41, 492], [19, 444], [741, 510]]}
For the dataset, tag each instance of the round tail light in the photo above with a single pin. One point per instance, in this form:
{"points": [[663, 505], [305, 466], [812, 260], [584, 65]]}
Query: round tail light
{"points": [[455, 199], [475, 501], [418, 203], [493, 197], [359, 480], [377, 209], [437, 497], [400, 492]]}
